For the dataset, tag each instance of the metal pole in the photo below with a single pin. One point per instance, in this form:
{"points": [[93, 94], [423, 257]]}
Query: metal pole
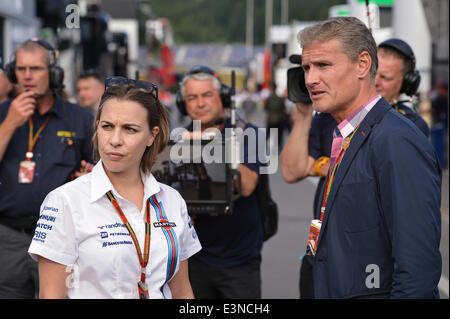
{"points": [[249, 28], [284, 12], [269, 15]]}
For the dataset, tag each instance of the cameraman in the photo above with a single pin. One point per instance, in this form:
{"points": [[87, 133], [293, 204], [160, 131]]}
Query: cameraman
{"points": [[43, 141], [228, 266]]}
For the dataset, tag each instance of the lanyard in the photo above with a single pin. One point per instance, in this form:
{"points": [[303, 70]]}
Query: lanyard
{"points": [[32, 139], [143, 259], [330, 177]]}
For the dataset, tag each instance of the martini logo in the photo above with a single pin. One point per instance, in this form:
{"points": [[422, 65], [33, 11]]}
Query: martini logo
{"points": [[164, 224]]}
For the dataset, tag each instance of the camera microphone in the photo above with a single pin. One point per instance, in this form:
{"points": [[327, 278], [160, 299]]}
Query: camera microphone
{"points": [[295, 58]]}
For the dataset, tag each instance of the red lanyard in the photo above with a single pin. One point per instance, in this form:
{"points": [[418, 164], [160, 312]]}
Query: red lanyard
{"points": [[330, 177], [32, 138], [143, 259]]}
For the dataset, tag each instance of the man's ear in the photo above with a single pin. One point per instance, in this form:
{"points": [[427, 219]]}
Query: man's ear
{"points": [[364, 64]]}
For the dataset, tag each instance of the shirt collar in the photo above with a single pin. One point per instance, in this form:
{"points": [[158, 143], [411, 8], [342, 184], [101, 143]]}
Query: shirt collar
{"points": [[151, 185], [347, 126], [57, 108], [100, 183]]}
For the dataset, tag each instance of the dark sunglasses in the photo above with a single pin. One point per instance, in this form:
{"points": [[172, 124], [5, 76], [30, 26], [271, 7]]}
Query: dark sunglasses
{"points": [[145, 86]]}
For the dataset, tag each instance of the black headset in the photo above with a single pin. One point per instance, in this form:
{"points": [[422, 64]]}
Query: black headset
{"points": [[225, 91], [411, 80], [56, 73]]}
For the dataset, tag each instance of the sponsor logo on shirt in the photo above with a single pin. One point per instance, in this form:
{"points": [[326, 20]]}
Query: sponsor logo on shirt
{"points": [[53, 209], [115, 243], [110, 231], [47, 218], [65, 134], [164, 224], [43, 224], [110, 226]]}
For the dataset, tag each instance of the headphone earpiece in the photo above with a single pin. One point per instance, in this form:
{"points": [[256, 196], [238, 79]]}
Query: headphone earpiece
{"points": [[10, 71], [181, 103], [56, 73], [411, 82], [225, 91]]}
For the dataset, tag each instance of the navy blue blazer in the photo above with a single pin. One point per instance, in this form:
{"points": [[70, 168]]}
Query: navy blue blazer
{"points": [[382, 226]]}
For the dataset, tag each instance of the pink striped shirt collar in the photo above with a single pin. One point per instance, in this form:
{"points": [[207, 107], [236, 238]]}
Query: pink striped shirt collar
{"points": [[347, 126]]}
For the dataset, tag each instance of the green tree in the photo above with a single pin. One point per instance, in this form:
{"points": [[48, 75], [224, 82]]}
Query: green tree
{"points": [[223, 21]]}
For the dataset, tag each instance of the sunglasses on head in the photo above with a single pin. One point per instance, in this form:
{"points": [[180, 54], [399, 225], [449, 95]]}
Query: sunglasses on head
{"points": [[145, 86]]}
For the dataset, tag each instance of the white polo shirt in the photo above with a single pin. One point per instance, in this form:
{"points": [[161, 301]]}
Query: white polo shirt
{"points": [[79, 227]]}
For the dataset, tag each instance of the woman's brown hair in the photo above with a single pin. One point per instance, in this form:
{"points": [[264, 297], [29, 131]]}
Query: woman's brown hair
{"points": [[156, 116]]}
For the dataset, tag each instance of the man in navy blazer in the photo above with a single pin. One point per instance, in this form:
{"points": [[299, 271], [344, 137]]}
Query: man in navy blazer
{"points": [[380, 226]]}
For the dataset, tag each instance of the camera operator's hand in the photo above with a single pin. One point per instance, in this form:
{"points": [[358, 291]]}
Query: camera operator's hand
{"points": [[301, 111], [304, 109], [296, 163], [21, 108]]}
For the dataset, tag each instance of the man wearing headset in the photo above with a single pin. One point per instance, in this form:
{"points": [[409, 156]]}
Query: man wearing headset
{"points": [[43, 141], [228, 266], [397, 75]]}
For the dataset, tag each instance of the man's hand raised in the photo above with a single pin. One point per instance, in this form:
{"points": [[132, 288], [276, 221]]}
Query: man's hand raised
{"points": [[21, 108]]}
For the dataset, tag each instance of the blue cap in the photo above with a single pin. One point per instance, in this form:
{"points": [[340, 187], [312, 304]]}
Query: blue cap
{"points": [[400, 46]]}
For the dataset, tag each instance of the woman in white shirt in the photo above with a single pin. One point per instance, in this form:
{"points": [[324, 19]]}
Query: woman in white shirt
{"points": [[117, 232]]}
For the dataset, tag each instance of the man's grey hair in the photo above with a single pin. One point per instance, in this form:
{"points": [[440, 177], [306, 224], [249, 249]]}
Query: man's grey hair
{"points": [[199, 76], [31, 46], [353, 35]]}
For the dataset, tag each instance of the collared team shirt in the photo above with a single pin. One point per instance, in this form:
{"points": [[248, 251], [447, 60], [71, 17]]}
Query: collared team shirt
{"points": [[78, 227]]}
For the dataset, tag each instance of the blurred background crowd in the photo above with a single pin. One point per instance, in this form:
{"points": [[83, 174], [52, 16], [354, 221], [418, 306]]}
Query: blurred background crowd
{"points": [[255, 38]]}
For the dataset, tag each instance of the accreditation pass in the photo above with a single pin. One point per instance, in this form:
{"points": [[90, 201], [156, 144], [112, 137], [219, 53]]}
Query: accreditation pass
{"points": [[226, 308]]}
